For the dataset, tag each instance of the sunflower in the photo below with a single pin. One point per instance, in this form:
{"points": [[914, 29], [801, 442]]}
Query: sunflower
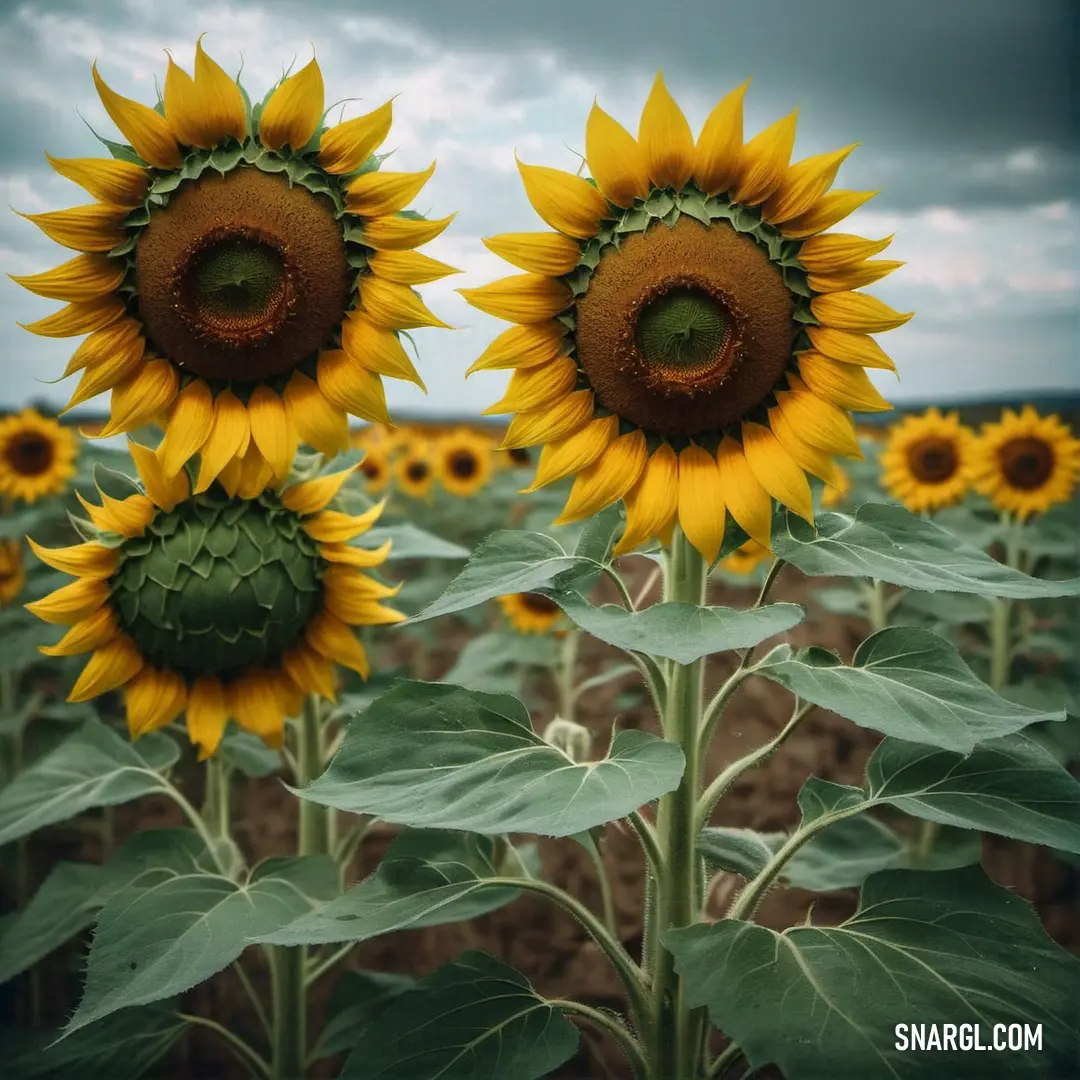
{"points": [[1025, 462], [215, 606], [926, 463], [686, 341], [463, 462], [413, 471], [530, 613], [244, 272], [514, 457], [836, 492], [746, 559], [374, 467], [37, 456], [12, 571]]}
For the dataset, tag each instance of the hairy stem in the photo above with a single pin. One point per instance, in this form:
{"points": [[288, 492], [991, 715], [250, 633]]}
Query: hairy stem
{"points": [[252, 1062], [610, 1025]]}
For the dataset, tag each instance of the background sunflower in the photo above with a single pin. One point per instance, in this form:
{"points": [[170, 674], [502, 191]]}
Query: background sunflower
{"points": [[414, 473], [244, 272], [463, 461], [37, 456], [530, 613], [927, 462], [12, 571]]}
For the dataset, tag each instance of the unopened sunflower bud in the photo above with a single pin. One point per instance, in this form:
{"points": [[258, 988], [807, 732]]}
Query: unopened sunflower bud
{"points": [[572, 739]]}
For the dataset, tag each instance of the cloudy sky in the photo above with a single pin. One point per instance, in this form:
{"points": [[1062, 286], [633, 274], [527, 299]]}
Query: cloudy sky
{"points": [[961, 107]]}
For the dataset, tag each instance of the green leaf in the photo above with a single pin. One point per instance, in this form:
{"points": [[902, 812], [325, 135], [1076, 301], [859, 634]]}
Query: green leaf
{"points": [[152, 943], [94, 767], [411, 542], [432, 755], [739, 851], [924, 947], [886, 542], [428, 877], [475, 1017], [491, 662], [906, 682], [248, 753], [680, 632], [949, 608], [357, 1000]]}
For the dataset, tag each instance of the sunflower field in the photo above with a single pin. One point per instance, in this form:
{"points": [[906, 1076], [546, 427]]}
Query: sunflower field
{"points": [[690, 715]]}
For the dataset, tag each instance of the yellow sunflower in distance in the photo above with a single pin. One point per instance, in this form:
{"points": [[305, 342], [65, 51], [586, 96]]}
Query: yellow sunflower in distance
{"points": [[12, 571], [463, 462], [37, 456], [1026, 463], [836, 492], [215, 607], [414, 473], [530, 613], [243, 273], [746, 559], [374, 467], [926, 462], [686, 341]]}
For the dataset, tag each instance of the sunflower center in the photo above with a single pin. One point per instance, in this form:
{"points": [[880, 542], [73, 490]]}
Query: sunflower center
{"points": [[370, 468], [462, 464], [1027, 462], [30, 454], [242, 277], [684, 330], [541, 605], [217, 587], [519, 455], [417, 471], [933, 460]]}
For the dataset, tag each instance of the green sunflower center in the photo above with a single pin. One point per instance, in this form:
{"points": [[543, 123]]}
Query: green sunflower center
{"points": [[1027, 462], [238, 282], [217, 587], [684, 329], [30, 454]]}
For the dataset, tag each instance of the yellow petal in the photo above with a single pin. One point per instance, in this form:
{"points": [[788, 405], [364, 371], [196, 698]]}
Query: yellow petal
{"points": [[546, 253], [848, 348], [329, 636], [362, 558], [82, 317], [345, 147], [310, 670], [746, 500], [397, 233], [109, 667], [813, 459], [716, 155], [547, 425], [818, 422], [89, 560], [255, 703], [271, 430], [395, 307], [523, 347], [311, 496], [653, 500], [352, 387], [229, 438], [376, 349], [667, 143], [71, 603], [141, 397], [615, 160], [607, 479], [776, 470], [320, 423], [94, 227], [153, 699], [854, 277], [334, 527], [353, 599], [86, 277], [294, 110], [122, 337], [97, 629], [254, 475], [568, 203], [147, 131], [838, 251], [764, 160], [803, 184], [163, 491], [845, 385], [561, 457], [207, 715], [408, 267], [190, 421], [179, 100], [857, 312], [377, 193], [701, 501], [521, 298], [107, 179], [826, 212], [537, 388], [126, 517], [221, 111], [110, 368]]}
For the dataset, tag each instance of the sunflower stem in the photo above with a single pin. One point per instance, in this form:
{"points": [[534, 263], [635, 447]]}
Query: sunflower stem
{"points": [[677, 1033], [877, 610], [1001, 646]]}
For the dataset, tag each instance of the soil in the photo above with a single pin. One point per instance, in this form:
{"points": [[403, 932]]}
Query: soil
{"points": [[538, 939]]}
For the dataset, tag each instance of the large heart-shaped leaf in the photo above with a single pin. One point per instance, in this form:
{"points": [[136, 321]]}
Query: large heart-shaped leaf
{"points": [[427, 877], [889, 543], [357, 999], [907, 682], [157, 941], [435, 756], [680, 632], [924, 947], [474, 1017], [94, 767]]}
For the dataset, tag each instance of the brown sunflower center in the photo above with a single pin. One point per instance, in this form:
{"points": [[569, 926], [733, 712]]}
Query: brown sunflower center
{"points": [[417, 471], [242, 277], [684, 330], [29, 453], [462, 464], [371, 468], [538, 604], [520, 455], [933, 460], [1026, 462]]}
